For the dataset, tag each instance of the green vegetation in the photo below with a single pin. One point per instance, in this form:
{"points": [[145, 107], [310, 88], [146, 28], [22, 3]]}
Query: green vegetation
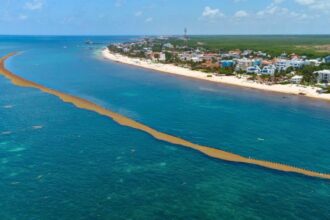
{"points": [[308, 45], [326, 90], [307, 72], [227, 71], [203, 53]]}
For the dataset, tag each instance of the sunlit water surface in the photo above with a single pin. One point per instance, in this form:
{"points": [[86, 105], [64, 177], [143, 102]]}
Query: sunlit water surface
{"points": [[60, 162]]}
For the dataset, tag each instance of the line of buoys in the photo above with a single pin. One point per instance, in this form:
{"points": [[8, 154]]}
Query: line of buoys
{"points": [[122, 120]]}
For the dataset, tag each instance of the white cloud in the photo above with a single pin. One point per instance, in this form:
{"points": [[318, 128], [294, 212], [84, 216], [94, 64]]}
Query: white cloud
{"points": [[34, 4], [138, 13], [212, 13], [241, 14], [278, 1], [305, 2], [22, 17], [119, 3], [319, 5], [150, 19], [275, 11]]}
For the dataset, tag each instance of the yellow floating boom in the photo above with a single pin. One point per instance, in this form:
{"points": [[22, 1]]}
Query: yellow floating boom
{"points": [[122, 120]]}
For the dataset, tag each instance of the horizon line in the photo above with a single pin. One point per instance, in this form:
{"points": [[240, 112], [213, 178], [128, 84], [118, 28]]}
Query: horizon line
{"points": [[170, 35]]}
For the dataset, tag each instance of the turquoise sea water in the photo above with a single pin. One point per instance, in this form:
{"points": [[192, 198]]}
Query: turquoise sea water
{"points": [[60, 162]]}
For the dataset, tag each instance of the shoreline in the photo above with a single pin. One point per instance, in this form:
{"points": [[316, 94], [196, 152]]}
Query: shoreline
{"points": [[292, 89], [127, 122]]}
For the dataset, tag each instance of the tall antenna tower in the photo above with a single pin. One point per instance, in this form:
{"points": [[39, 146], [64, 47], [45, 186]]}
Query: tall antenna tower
{"points": [[186, 37]]}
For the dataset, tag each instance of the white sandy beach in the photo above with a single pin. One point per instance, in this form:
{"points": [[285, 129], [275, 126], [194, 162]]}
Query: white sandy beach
{"points": [[231, 80]]}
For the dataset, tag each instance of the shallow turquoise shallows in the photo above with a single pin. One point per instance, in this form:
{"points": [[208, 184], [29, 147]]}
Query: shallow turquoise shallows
{"points": [[60, 162]]}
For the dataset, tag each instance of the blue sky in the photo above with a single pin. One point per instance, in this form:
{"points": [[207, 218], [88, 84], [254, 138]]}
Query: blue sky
{"points": [[111, 17]]}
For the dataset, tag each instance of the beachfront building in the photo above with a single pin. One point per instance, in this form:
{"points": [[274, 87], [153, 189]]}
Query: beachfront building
{"points": [[297, 63], [314, 62], [323, 76], [147, 54], [162, 57], [284, 56], [296, 79], [243, 64], [267, 62], [327, 59], [184, 56], [193, 57], [146, 49], [253, 70], [196, 58], [224, 55], [268, 70], [235, 53], [156, 56], [126, 50], [282, 64], [246, 53], [256, 62], [227, 63], [261, 54], [210, 56], [168, 45]]}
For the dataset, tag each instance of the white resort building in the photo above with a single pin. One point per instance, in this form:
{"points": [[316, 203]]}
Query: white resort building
{"points": [[323, 76], [296, 79], [282, 64], [297, 63], [268, 70], [243, 64], [253, 70]]}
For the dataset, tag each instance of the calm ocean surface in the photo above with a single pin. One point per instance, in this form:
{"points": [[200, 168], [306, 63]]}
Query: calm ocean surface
{"points": [[60, 162]]}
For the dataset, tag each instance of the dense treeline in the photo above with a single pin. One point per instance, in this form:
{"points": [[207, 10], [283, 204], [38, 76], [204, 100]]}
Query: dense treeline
{"points": [[308, 45]]}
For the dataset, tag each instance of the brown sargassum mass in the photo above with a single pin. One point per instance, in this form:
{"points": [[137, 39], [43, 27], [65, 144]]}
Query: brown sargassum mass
{"points": [[122, 120]]}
